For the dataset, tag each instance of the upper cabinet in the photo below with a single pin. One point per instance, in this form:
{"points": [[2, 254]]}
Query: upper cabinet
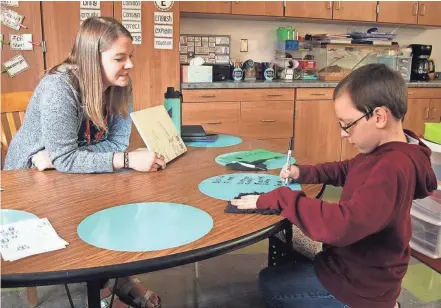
{"points": [[355, 10], [216, 7], [429, 13], [309, 9], [258, 8], [398, 12], [425, 13]]}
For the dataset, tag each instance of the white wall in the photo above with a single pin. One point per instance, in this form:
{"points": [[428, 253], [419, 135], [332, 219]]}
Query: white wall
{"points": [[261, 35]]}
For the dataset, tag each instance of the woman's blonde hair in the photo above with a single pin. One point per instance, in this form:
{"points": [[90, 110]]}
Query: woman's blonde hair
{"points": [[96, 34]]}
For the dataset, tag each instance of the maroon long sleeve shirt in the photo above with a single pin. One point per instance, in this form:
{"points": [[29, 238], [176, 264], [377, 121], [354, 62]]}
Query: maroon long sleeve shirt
{"points": [[366, 235]]}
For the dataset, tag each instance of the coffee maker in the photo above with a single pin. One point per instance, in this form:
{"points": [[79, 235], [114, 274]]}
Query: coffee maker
{"points": [[420, 62]]}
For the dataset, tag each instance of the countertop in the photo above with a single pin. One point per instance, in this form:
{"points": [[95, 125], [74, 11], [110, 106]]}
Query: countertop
{"points": [[259, 84]]}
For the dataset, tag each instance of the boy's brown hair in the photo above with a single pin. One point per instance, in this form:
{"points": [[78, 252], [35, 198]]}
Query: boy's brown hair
{"points": [[375, 85]]}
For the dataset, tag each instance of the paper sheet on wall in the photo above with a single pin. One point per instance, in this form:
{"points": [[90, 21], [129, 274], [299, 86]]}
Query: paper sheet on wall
{"points": [[11, 18], [20, 42], [158, 132], [16, 65], [29, 237]]}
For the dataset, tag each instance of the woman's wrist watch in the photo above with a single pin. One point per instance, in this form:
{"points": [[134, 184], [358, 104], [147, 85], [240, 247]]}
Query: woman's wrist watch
{"points": [[126, 160]]}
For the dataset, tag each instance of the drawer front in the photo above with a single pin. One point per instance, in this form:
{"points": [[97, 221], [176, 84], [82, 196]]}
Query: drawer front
{"points": [[220, 117], [314, 93], [267, 120], [424, 93], [237, 95]]}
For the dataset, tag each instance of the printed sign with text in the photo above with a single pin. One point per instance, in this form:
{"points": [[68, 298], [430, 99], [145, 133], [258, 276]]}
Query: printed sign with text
{"points": [[10, 3], [86, 13], [20, 42], [131, 15], [131, 5], [132, 26], [90, 5], [163, 31], [163, 43], [137, 38], [162, 18], [16, 65], [11, 19]]}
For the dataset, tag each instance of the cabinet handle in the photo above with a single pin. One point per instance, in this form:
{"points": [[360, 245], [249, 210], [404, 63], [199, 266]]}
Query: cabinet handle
{"points": [[338, 5], [207, 95], [415, 9], [433, 111], [423, 10], [329, 5], [214, 123], [427, 114], [274, 95], [268, 121], [317, 94]]}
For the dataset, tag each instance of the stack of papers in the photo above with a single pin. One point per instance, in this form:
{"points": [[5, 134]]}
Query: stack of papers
{"points": [[27, 238]]}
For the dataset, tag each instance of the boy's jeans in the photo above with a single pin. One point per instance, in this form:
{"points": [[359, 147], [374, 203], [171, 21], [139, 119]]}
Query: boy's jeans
{"points": [[295, 286]]}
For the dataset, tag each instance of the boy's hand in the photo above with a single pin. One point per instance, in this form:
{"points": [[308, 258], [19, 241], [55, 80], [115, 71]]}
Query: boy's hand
{"points": [[291, 173], [245, 202]]}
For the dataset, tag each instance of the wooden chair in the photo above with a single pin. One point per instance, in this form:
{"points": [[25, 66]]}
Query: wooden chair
{"points": [[13, 106]]}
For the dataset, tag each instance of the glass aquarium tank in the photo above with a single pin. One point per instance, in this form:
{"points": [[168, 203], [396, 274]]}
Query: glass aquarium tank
{"points": [[336, 61]]}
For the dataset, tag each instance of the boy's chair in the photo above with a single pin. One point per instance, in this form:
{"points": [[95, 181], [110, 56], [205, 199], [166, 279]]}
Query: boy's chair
{"points": [[13, 106], [290, 244]]}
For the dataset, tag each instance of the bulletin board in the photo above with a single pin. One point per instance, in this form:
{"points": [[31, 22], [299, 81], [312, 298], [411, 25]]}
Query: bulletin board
{"points": [[212, 48]]}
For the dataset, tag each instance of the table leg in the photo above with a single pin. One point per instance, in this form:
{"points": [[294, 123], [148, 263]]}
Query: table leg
{"points": [[93, 293]]}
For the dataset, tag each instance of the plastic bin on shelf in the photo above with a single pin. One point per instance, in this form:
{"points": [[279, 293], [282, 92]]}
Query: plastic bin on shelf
{"points": [[435, 158], [426, 227]]}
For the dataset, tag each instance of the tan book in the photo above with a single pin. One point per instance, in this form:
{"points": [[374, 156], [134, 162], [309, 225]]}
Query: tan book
{"points": [[158, 132]]}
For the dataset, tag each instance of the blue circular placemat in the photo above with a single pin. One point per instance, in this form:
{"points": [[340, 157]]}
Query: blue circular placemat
{"points": [[11, 216], [276, 163], [145, 226], [228, 186], [221, 141]]}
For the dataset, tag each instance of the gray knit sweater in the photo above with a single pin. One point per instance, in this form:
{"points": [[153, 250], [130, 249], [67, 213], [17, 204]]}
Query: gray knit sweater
{"points": [[52, 121]]}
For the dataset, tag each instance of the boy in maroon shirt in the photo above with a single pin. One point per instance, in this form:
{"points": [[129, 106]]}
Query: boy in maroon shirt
{"points": [[366, 235]]}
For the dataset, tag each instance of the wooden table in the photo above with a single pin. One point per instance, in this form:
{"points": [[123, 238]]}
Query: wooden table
{"points": [[67, 199]]}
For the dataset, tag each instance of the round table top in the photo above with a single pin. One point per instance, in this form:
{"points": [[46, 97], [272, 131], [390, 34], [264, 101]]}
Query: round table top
{"points": [[67, 199]]}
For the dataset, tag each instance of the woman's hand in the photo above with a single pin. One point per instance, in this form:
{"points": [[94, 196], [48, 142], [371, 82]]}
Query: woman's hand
{"points": [[42, 161], [145, 161]]}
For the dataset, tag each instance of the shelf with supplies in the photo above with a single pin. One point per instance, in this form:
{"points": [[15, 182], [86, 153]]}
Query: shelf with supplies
{"points": [[295, 60]]}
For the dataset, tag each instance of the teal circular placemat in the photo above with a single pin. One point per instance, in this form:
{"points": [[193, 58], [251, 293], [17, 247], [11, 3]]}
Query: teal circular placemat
{"points": [[221, 141], [11, 216], [276, 163], [228, 186], [149, 226]]}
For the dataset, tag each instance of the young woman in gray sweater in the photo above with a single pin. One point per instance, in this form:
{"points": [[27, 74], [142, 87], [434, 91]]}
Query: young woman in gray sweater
{"points": [[77, 120]]}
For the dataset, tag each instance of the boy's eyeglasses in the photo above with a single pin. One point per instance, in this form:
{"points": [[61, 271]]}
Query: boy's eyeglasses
{"points": [[348, 126]]}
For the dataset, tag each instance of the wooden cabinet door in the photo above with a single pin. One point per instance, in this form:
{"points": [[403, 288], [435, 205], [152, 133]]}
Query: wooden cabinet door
{"points": [[401, 12], [309, 9], [317, 133], [355, 10], [435, 110], [267, 120], [348, 150], [218, 117], [429, 13], [417, 113], [261, 8], [61, 21], [216, 7], [154, 69], [27, 80]]}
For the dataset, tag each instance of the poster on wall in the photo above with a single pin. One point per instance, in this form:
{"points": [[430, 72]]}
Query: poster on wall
{"points": [[211, 48]]}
